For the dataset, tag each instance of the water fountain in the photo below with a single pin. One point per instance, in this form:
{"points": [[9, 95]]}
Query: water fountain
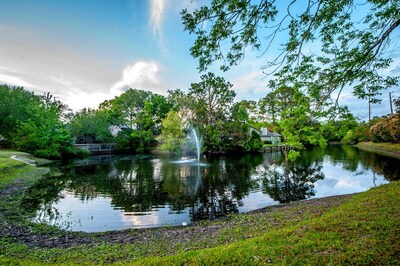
{"points": [[198, 143], [192, 148]]}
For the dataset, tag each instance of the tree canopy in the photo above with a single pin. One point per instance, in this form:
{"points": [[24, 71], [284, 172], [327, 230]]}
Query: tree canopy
{"points": [[351, 40], [142, 111], [33, 123]]}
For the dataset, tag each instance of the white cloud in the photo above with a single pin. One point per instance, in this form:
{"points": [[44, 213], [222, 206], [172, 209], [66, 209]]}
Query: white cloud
{"points": [[13, 80], [141, 75], [79, 99], [157, 8], [41, 64], [250, 86]]}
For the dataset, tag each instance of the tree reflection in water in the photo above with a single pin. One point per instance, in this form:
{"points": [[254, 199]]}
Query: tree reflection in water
{"points": [[211, 191], [286, 182], [144, 185]]}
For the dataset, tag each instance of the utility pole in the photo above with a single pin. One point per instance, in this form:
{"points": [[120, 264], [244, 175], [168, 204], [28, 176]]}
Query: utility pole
{"points": [[369, 108], [390, 101]]}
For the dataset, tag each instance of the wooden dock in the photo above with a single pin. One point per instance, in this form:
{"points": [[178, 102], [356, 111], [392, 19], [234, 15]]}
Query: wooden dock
{"points": [[98, 148], [278, 148]]}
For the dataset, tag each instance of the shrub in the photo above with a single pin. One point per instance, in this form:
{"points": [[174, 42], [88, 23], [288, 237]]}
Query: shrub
{"points": [[386, 129]]}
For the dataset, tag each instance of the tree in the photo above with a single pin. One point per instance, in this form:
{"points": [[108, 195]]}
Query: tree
{"points": [[15, 106], [274, 104], [349, 40], [182, 103], [172, 135], [126, 107], [212, 96], [43, 134], [143, 112], [252, 109], [298, 122], [91, 122], [211, 101], [155, 110], [268, 106], [34, 123], [397, 105], [339, 124]]}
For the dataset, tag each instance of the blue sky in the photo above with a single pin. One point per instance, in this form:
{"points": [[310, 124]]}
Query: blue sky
{"points": [[88, 51]]}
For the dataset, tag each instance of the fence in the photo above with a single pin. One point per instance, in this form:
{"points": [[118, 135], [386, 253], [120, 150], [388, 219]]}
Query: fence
{"points": [[97, 148]]}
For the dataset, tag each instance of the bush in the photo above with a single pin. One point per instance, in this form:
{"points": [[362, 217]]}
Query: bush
{"points": [[254, 144], [143, 140], [359, 134], [135, 140], [386, 129], [349, 137], [43, 138]]}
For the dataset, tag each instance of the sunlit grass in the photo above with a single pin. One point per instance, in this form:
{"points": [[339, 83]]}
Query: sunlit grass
{"points": [[9, 153], [363, 230], [11, 169]]}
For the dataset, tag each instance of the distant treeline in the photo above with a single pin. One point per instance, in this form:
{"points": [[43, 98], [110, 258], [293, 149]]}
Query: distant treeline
{"points": [[138, 120]]}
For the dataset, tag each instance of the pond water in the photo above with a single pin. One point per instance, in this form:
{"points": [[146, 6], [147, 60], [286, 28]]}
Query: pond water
{"points": [[117, 192]]}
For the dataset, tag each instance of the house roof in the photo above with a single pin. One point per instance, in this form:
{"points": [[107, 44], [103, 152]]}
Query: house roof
{"points": [[264, 132]]}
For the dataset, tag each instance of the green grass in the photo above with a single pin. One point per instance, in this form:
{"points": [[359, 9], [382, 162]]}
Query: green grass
{"points": [[11, 169], [9, 153], [389, 149], [363, 230]]}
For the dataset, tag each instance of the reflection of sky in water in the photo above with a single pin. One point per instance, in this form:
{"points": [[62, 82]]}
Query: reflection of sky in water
{"points": [[178, 187], [98, 215], [158, 217], [339, 181], [255, 200]]}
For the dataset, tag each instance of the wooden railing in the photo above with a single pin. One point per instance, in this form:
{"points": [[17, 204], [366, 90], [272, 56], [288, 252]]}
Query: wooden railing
{"points": [[97, 148]]}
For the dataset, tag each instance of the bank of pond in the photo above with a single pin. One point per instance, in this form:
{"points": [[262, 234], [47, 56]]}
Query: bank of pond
{"points": [[113, 192]]}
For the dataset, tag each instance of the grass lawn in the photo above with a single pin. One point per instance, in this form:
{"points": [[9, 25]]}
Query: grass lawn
{"points": [[389, 149], [11, 169], [365, 230]]}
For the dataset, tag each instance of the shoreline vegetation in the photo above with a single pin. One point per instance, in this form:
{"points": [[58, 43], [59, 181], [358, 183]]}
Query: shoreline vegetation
{"points": [[388, 149], [347, 229]]}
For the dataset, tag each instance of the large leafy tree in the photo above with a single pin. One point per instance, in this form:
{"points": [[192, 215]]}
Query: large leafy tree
{"points": [[341, 123], [142, 111], [155, 110], [15, 106], [182, 103], [126, 107], [350, 39], [43, 133], [92, 122], [172, 135], [212, 99]]}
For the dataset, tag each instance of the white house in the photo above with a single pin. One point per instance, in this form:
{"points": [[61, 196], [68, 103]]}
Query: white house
{"points": [[267, 135], [114, 130]]}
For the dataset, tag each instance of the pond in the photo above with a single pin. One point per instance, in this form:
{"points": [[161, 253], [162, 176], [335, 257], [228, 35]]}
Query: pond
{"points": [[109, 192]]}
